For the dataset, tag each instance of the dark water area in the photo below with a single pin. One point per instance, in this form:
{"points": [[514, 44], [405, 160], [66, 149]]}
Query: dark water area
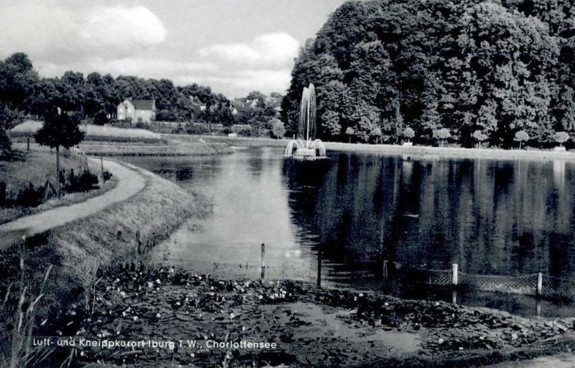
{"points": [[347, 215]]}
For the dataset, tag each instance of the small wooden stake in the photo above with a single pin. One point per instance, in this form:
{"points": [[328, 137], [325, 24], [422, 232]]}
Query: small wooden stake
{"points": [[455, 275], [539, 291], [263, 266], [102, 169], [384, 271]]}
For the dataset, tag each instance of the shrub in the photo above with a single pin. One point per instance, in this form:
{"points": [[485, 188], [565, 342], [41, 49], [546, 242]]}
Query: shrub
{"points": [[561, 137], [521, 136], [100, 118], [245, 132], [409, 133], [197, 129], [278, 129], [81, 183], [479, 136]]}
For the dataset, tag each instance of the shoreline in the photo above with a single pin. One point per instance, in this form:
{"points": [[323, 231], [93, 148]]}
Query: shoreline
{"points": [[414, 152]]}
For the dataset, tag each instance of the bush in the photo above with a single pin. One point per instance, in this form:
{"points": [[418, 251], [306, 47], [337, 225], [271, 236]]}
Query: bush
{"points": [[30, 196], [521, 136], [82, 183], [278, 129], [100, 118], [197, 129], [561, 137], [408, 133], [245, 133]]}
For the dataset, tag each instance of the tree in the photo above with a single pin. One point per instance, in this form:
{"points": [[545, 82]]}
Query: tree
{"points": [[350, 132], [278, 129], [59, 130], [408, 133], [521, 136], [441, 134], [17, 80], [561, 137], [479, 137]]}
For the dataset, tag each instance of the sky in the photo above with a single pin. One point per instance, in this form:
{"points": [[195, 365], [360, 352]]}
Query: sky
{"points": [[232, 46]]}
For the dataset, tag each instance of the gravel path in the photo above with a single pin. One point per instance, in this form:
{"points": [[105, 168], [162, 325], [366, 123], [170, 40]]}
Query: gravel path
{"points": [[130, 182]]}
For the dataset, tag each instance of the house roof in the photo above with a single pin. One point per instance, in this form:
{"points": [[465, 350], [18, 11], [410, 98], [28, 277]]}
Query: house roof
{"points": [[143, 104]]}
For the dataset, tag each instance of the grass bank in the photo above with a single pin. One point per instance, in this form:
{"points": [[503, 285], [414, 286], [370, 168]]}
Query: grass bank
{"points": [[35, 168], [121, 233], [113, 141], [171, 149]]}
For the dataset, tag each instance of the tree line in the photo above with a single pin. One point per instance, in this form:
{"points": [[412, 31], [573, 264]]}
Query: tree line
{"points": [[467, 70], [95, 97]]}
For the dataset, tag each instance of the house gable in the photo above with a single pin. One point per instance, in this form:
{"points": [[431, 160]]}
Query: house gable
{"points": [[137, 110]]}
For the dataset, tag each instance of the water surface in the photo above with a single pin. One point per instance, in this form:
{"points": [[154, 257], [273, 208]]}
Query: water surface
{"points": [[355, 210]]}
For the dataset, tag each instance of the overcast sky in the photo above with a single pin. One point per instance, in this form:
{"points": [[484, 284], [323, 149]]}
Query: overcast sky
{"points": [[233, 46]]}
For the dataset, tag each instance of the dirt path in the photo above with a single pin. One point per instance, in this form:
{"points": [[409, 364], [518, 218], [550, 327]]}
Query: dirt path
{"points": [[130, 182]]}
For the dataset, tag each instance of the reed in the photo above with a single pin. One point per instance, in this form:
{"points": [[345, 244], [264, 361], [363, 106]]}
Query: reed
{"points": [[23, 318]]}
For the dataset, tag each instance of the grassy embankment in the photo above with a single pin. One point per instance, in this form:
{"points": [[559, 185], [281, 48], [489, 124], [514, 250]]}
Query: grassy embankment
{"points": [[112, 141], [38, 167], [75, 251]]}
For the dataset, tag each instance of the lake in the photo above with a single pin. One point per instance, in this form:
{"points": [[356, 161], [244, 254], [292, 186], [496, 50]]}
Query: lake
{"points": [[347, 215]]}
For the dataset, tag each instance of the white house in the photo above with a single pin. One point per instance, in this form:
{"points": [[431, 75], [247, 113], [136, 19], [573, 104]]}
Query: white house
{"points": [[137, 111]]}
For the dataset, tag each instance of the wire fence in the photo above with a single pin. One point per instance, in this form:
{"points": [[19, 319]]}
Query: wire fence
{"points": [[537, 284], [287, 262]]}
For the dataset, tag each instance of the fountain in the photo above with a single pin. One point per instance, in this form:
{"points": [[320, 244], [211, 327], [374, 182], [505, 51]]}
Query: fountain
{"points": [[305, 147]]}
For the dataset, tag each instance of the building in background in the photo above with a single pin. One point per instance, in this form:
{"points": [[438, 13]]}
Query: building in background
{"points": [[137, 111]]}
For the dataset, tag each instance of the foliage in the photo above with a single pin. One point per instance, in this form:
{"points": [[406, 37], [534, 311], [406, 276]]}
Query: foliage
{"points": [[349, 132], [278, 129], [17, 79], [561, 137], [59, 130], [256, 112], [408, 133], [442, 134], [479, 137], [96, 97], [521, 136], [494, 67]]}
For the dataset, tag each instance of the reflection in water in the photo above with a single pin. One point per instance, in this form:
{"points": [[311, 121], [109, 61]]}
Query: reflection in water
{"points": [[490, 217]]}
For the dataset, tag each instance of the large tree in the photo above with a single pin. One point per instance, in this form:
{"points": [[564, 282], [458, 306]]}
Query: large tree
{"points": [[494, 66], [17, 80]]}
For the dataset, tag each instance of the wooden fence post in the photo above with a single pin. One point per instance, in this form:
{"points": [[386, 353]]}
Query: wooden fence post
{"points": [[318, 279], [385, 271], [455, 275], [539, 290], [102, 170], [262, 263]]}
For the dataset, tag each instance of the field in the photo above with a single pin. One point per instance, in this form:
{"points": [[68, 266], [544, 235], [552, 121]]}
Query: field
{"points": [[113, 141], [94, 133]]}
